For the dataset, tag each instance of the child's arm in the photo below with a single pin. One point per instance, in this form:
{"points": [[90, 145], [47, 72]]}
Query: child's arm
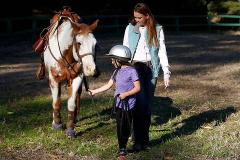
{"points": [[133, 91], [103, 88]]}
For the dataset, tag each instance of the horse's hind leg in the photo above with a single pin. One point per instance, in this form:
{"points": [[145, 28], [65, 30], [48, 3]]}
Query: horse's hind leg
{"points": [[56, 104], [72, 94]]}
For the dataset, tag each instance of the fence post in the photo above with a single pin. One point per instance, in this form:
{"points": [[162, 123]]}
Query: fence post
{"points": [[34, 27], [209, 26], [9, 25], [177, 24], [239, 23], [117, 24]]}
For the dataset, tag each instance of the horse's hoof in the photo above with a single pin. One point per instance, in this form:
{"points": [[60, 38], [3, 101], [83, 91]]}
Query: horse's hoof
{"points": [[57, 126], [70, 133]]}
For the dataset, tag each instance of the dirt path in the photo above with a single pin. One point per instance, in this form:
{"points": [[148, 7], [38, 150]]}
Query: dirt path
{"points": [[189, 55], [18, 65]]}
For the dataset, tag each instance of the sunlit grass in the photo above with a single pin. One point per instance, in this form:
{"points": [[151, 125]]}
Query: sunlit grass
{"points": [[196, 118], [175, 133]]}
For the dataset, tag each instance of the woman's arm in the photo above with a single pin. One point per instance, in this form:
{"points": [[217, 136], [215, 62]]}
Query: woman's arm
{"points": [[125, 38], [103, 88], [162, 53], [133, 91]]}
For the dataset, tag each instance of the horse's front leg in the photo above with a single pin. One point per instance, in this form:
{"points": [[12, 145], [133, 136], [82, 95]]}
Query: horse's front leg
{"points": [[72, 95], [56, 103], [77, 110]]}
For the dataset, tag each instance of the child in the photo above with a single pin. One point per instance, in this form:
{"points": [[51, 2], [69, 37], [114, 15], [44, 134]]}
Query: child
{"points": [[127, 85]]}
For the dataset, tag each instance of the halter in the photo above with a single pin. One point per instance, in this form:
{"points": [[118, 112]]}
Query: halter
{"points": [[67, 65]]}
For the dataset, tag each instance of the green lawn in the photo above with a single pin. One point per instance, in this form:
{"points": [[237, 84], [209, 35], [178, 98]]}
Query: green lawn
{"points": [[175, 134]]}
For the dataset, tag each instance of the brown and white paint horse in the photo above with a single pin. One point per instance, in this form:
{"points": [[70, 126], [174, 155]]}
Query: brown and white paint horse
{"points": [[69, 56]]}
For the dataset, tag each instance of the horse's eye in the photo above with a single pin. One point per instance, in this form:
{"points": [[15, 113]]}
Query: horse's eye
{"points": [[79, 43]]}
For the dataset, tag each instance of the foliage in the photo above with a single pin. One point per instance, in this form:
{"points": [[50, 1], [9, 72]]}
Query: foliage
{"points": [[224, 7]]}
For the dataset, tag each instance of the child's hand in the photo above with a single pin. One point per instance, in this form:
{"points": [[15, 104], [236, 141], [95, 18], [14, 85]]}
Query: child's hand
{"points": [[122, 96], [91, 92]]}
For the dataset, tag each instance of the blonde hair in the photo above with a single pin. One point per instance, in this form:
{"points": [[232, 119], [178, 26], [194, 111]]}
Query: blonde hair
{"points": [[142, 8]]}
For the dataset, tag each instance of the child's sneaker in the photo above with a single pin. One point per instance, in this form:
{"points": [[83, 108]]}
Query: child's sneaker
{"points": [[122, 152], [121, 158]]}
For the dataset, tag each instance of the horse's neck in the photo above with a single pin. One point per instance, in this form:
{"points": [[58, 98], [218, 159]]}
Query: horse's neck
{"points": [[62, 35]]}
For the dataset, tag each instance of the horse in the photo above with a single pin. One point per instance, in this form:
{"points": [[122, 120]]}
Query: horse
{"points": [[68, 56]]}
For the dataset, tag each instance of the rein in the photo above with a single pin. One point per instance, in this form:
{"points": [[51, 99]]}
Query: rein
{"points": [[68, 65]]}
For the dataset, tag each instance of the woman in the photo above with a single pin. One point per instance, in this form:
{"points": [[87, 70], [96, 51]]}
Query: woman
{"points": [[145, 39]]}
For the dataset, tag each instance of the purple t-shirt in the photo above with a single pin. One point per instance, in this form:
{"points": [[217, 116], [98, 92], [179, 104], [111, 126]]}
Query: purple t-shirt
{"points": [[124, 81]]}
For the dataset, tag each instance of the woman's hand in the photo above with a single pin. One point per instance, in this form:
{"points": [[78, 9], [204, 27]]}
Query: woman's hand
{"points": [[166, 80]]}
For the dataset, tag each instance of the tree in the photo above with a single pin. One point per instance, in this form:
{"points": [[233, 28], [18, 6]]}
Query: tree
{"points": [[224, 7]]}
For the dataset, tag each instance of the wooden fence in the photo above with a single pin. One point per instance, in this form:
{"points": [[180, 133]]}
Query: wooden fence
{"points": [[116, 23], [225, 21]]}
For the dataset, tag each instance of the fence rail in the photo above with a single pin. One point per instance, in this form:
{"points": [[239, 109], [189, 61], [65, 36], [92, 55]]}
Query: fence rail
{"points": [[116, 23], [225, 21]]}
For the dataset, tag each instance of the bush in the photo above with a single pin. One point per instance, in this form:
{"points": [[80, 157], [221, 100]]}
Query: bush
{"points": [[230, 7]]}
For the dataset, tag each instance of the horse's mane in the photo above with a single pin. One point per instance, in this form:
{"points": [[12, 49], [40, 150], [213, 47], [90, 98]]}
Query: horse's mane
{"points": [[53, 28], [59, 17]]}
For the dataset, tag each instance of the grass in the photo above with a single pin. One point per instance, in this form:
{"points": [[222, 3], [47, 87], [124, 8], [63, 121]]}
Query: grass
{"points": [[196, 118], [177, 134], [27, 124]]}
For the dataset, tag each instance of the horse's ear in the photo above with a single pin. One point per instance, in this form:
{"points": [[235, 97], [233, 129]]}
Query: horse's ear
{"points": [[94, 25]]}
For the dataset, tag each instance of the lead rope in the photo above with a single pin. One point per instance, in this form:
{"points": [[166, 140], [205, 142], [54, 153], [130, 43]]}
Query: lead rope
{"points": [[93, 103]]}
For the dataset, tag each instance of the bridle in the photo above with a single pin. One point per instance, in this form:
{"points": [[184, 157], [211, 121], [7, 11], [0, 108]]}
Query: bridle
{"points": [[77, 46]]}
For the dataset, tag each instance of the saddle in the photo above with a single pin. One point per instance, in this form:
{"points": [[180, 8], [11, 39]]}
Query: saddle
{"points": [[40, 43], [66, 12]]}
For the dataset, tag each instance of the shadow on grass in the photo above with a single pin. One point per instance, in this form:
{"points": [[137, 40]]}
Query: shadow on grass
{"points": [[29, 114], [193, 123], [163, 110], [105, 113], [99, 125], [102, 119]]}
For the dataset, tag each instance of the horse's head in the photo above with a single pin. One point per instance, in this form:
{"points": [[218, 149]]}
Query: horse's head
{"points": [[86, 44], [70, 42]]}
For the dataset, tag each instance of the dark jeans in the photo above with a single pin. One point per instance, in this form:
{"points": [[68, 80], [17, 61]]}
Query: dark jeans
{"points": [[124, 123], [142, 111]]}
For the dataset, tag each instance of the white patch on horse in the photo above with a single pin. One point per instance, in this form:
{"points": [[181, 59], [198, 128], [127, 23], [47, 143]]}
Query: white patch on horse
{"points": [[87, 46], [59, 41], [72, 99]]}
